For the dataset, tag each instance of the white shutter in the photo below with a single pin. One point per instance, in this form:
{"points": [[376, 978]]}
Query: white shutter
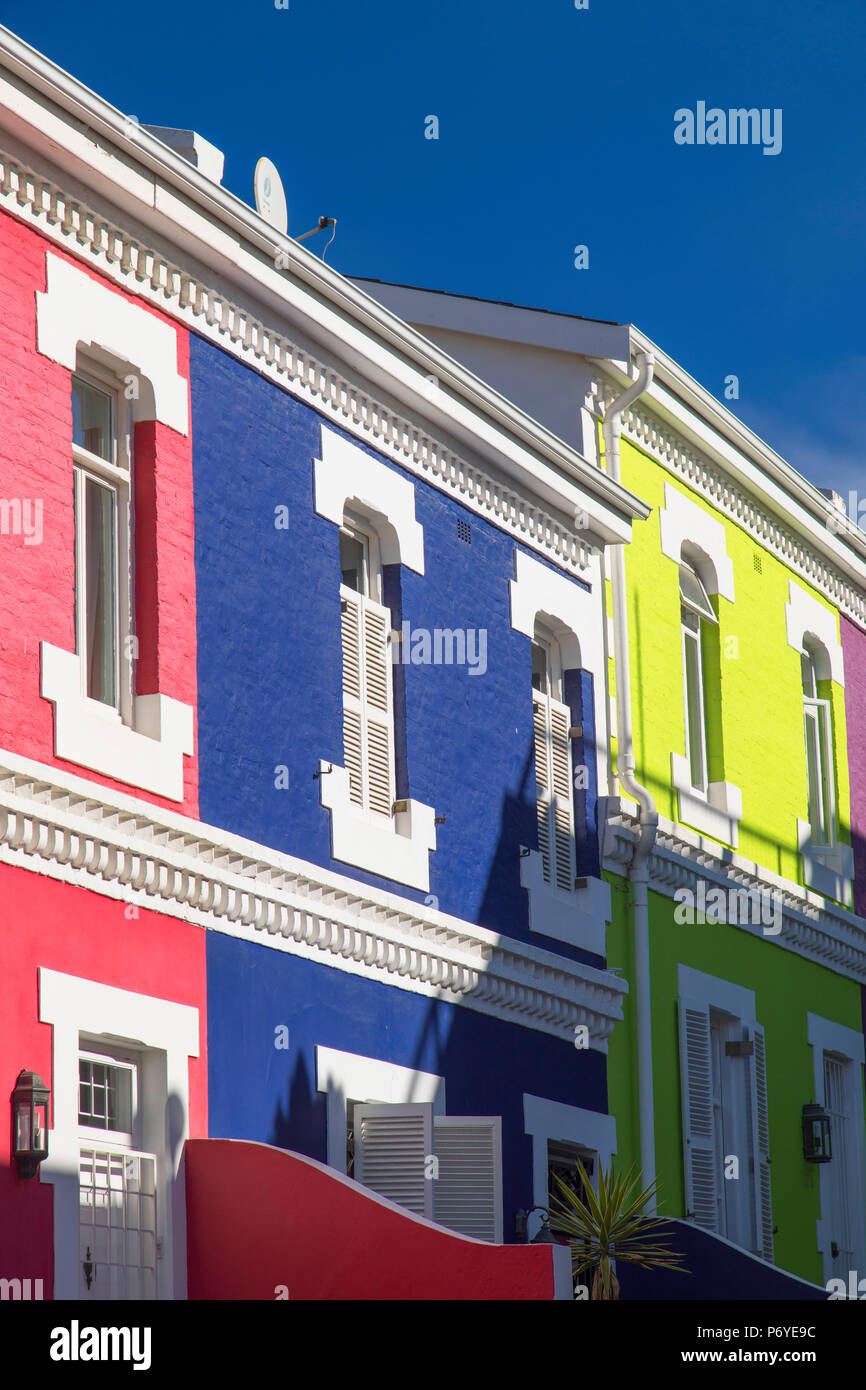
{"points": [[467, 1191], [699, 1149], [392, 1146], [553, 789], [368, 723], [761, 1144]]}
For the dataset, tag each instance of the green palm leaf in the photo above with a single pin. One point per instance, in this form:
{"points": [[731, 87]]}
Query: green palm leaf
{"points": [[610, 1225]]}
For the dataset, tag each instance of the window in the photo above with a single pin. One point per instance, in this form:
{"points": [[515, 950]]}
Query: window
{"points": [[106, 1094], [101, 470], [816, 719], [725, 1122], [447, 1168], [117, 1182], [368, 723], [695, 610], [553, 776]]}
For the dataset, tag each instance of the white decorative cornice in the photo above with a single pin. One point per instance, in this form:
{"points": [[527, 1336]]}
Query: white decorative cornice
{"points": [[810, 925], [86, 835], [646, 428], [146, 272]]}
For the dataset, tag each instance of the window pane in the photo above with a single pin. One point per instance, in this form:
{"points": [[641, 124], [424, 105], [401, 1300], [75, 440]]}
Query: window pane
{"points": [[807, 669], [693, 593], [694, 711], [539, 669], [92, 427], [99, 589], [104, 1096], [352, 566], [814, 773]]}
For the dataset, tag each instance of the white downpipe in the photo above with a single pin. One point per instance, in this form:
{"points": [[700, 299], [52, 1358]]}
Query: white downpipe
{"points": [[625, 763]]}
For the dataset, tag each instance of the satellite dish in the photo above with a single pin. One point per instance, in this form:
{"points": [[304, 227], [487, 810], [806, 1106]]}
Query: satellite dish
{"points": [[271, 196]]}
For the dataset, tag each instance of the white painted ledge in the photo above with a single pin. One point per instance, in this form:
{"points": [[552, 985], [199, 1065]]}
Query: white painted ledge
{"points": [[829, 869], [397, 848], [717, 814], [681, 521], [346, 473], [148, 756], [580, 917], [77, 310], [806, 616]]}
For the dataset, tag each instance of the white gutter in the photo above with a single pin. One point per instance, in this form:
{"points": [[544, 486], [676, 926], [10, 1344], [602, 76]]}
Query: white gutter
{"points": [[638, 870]]}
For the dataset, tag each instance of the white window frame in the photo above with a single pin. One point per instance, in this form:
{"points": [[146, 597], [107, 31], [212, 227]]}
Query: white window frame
{"points": [[121, 1060], [551, 702], [695, 639], [826, 1037], [115, 474], [544, 1120], [821, 711], [396, 845], [165, 1035], [541, 597], [732, 1008]]}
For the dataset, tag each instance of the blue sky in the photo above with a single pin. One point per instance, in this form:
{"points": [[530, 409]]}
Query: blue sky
{"points": [[556, 129]]}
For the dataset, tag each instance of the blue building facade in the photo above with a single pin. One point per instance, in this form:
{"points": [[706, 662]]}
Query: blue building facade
{"points": [[467, 713]]}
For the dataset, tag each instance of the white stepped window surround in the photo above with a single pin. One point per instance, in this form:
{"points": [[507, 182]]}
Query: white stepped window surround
{"points": [[77, 310], [345, 1076], [812, 628], [838, 1057], [138, 740], [723, 1078], [551, 610], [167, 1035], [696, 542], [546, 1120], [374, 507]]}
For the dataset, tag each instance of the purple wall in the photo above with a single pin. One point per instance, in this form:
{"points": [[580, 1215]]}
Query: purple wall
{"points": [[854, 649]]}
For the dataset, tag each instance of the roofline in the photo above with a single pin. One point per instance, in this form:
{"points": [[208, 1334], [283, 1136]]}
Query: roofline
{"points": [[699, 399], [96, 114]]}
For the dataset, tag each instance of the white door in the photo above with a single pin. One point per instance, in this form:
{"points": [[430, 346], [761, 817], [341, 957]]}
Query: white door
{"points": [[116, 1184], [837, 1173]]}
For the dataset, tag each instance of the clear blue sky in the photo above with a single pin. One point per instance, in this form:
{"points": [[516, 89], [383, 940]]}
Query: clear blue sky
{"points": [[555, 129]]}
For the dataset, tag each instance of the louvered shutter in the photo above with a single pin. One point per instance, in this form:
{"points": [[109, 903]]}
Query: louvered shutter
{"points": [[392, 1145], [761, 1144], [699, 1149], [467, 1192], [553, 788], [368, 725]]}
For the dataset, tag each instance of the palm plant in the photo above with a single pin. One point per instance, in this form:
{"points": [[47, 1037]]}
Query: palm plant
{"points": [[610, 1225]]}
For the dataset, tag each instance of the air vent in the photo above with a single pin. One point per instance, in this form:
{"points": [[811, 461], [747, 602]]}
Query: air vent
{"points": [[758, 563], [464, 532]]}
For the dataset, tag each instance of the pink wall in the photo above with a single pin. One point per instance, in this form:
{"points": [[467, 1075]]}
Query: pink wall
{"points": [[854, 651], [84, 934], [37, 582], [260, 1217]]}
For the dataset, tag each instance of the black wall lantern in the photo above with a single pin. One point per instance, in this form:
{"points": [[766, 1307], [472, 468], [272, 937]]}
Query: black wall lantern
{"points": [[543, 1236], [816, 1134], [29, 1123]]}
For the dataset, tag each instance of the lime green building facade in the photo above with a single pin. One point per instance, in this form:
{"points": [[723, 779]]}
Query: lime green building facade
{"points": [[739, 735]]}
